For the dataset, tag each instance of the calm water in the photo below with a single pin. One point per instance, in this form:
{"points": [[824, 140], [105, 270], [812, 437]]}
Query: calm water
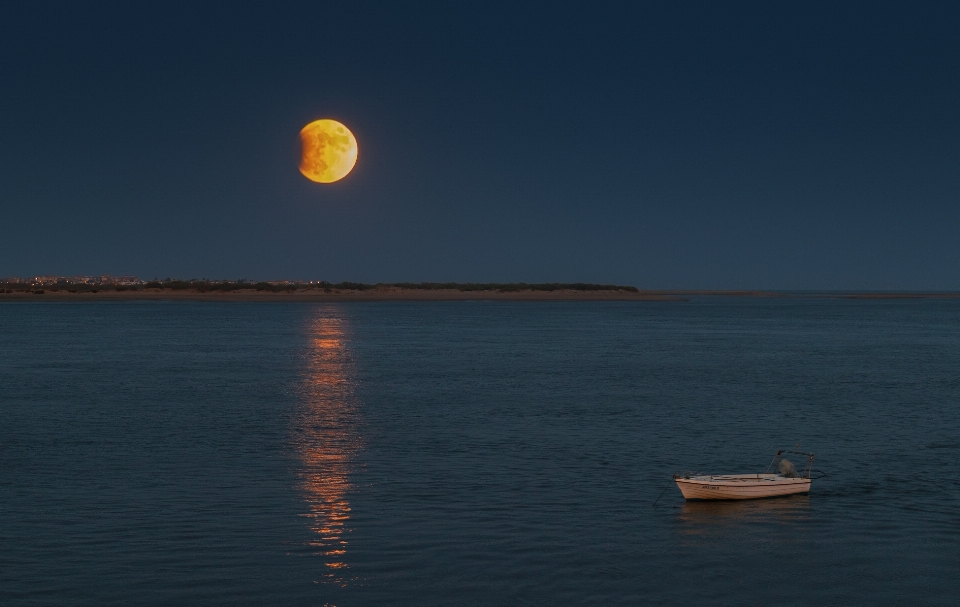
{"points": [[158, 453]]}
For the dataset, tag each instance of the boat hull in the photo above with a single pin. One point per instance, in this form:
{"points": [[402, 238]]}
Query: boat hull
{"points": [[740, 487]]}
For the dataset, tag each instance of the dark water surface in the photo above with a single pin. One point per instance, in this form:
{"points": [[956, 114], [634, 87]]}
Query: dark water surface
{"points": [[471, 453]]}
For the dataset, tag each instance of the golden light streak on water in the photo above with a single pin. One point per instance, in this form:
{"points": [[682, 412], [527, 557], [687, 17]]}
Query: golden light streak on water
{"points": [[326, 439]]}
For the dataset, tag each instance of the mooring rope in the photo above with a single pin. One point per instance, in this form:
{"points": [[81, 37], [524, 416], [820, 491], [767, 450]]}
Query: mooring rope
{"points": [[661, 494]]}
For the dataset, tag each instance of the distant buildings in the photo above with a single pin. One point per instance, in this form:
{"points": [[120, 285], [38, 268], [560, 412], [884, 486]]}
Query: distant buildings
{"points": [[120, 280], [48, 281]]}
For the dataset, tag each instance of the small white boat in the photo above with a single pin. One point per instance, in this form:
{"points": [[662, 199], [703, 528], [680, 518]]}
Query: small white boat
{"points": [[748, 486]]}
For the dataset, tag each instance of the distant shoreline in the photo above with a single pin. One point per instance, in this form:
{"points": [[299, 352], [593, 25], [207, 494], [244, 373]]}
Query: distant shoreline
{"points": [[405, 294], [334, 295]]}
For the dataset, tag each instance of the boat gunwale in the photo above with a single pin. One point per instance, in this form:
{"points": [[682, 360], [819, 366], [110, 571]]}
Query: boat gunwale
{"points": [[741, 479]]}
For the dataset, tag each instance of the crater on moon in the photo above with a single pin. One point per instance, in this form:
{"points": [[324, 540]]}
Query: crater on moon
{"points": [[329, 151]]}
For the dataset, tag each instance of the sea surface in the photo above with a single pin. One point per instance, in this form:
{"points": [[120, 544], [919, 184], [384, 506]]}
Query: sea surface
{"points": [[476, 453]]}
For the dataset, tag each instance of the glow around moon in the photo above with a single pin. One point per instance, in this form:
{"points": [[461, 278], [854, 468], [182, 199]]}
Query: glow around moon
{"points": [[329, 151]]}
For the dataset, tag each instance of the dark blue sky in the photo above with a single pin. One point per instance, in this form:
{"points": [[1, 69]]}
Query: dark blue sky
{"points": [[785, 145]]}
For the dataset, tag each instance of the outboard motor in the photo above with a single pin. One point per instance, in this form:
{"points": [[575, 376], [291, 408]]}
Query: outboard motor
{"points": [[787, 470]]}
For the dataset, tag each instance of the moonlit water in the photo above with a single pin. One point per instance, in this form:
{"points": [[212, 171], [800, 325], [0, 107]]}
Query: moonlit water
{"points": [[475, 453], [326, 434]]}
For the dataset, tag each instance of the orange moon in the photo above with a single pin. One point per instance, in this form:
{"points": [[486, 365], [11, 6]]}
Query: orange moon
{"points": [[329, 151]]}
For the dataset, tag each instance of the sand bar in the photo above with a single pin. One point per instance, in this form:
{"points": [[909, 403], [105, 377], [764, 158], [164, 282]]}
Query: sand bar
{"points": [[335, 295], [403, 294]]}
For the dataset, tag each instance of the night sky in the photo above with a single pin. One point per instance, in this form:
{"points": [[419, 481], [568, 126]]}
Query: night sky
{"points": [[769, 145]]}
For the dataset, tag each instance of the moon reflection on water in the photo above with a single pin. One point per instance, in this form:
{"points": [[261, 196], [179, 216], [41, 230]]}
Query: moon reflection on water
{"points": [[769, 518], [326, 438]]}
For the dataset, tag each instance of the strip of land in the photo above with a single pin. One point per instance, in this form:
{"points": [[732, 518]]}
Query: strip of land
{"points": [[283, 291], [384, 295], [202, 290]]}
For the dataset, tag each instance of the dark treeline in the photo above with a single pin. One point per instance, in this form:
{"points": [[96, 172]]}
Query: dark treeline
{"points": [[204, 286]]}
